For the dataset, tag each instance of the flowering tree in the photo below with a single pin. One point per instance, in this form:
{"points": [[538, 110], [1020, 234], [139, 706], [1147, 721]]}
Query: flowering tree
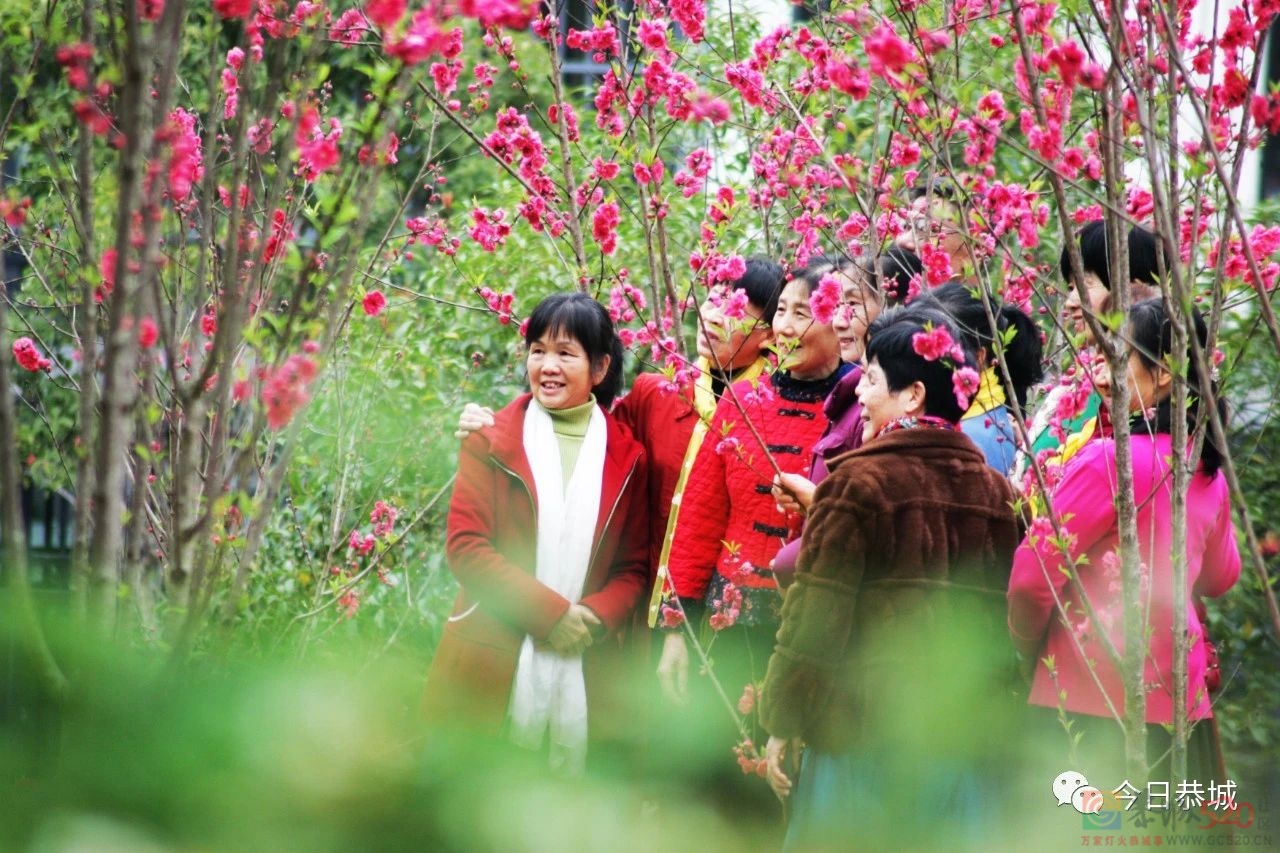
{"points": [[211, 198]]}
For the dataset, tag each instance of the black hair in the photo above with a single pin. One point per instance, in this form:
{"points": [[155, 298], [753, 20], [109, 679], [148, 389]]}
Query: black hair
{"points": [[1152, 333], [819, 265], [586, 321], [1023, 350], [936, 187], [898, 267], [889, 277], [762, 282], [1095, 255], [890, 344]]}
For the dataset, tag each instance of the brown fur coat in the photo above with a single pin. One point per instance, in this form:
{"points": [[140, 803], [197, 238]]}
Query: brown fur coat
{"points": [[898, 607]]}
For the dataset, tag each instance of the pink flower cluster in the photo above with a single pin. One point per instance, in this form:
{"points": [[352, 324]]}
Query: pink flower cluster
{"points": [[422, 39], [691, 15], [965, 383], [209, 321], [373, 303], [499, 303], [431, 233], [281, 235], [28, 356], [186, 161], [624, 300], [14, 213], [726, 609], [717, 268], [758, 395], [349, 28], [284, 391], [604, 227], [750, 760], [148, 333], [511, 14], [720, 210], [231, 82], [233, 8], [76, 59], [937, 264], [380, 154], [1071, 403], [935, 343], [489, 228], [317, 151], [362, 544], [602, 42], [887, 52], [383, 518], [732, 302], [824, 299], [513, 140], [1263, 243], [349, 602]]}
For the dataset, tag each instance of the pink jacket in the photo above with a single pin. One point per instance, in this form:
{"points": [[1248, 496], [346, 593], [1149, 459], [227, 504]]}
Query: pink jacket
{"points": [[1084, 502]]}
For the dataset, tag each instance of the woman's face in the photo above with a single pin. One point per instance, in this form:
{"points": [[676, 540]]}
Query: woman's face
{"points": [[859, 306], [729, 344], [1148, 386], [1099, 298], [881, 405], [807, 349], [936, 221], [560, 374]]}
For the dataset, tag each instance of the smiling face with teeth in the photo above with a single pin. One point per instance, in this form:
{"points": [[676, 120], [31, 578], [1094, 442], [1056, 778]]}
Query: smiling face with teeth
{"points": [[561, 375]]}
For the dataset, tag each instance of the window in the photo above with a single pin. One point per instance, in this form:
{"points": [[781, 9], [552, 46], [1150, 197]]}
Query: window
{"points": [[1270, 169], [578, 68]]}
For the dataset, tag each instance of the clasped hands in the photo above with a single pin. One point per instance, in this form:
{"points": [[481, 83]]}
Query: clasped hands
{"points": [[575, 632]]}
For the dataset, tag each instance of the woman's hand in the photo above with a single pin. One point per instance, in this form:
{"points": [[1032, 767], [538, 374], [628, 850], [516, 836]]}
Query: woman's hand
{"points": [[572, 635], [778, 752], [793, 493], [473, 417], [673, 669]]}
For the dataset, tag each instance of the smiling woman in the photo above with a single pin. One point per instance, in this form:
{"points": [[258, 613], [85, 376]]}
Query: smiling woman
{"points": [[561, 375], [1081, 683], [730, 527], [524, 652], [893, 629]]}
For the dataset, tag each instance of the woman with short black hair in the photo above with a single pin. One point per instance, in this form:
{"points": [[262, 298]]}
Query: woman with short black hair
{"points": [[892, 638]]}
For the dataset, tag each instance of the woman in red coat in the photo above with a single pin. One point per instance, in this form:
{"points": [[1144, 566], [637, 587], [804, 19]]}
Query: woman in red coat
{"points": [[527, 651], [728, 524]]}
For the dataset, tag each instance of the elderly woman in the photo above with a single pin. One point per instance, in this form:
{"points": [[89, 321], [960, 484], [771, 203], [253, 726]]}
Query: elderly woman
{"points": [[891, 639]]}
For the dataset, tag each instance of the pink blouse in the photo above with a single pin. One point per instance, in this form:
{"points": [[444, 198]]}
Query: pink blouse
{"points": [[1084, 502]]}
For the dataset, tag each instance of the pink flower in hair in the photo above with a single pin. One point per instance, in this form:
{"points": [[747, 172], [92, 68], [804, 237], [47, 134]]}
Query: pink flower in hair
{"points": [[965, 383], [824, 299], [933, 343]]}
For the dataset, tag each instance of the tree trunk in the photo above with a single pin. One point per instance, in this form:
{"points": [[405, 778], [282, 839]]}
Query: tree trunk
{"points": [[21, 622]]}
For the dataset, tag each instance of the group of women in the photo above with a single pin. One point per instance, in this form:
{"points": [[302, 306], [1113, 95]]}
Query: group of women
{"points": [[840, 517]]}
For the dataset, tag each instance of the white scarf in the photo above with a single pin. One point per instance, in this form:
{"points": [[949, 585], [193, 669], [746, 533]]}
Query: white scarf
{"points": [[549, 691]]}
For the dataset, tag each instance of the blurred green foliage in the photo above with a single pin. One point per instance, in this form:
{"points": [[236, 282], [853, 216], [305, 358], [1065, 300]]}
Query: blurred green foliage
{"points": [[294, 727]]}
